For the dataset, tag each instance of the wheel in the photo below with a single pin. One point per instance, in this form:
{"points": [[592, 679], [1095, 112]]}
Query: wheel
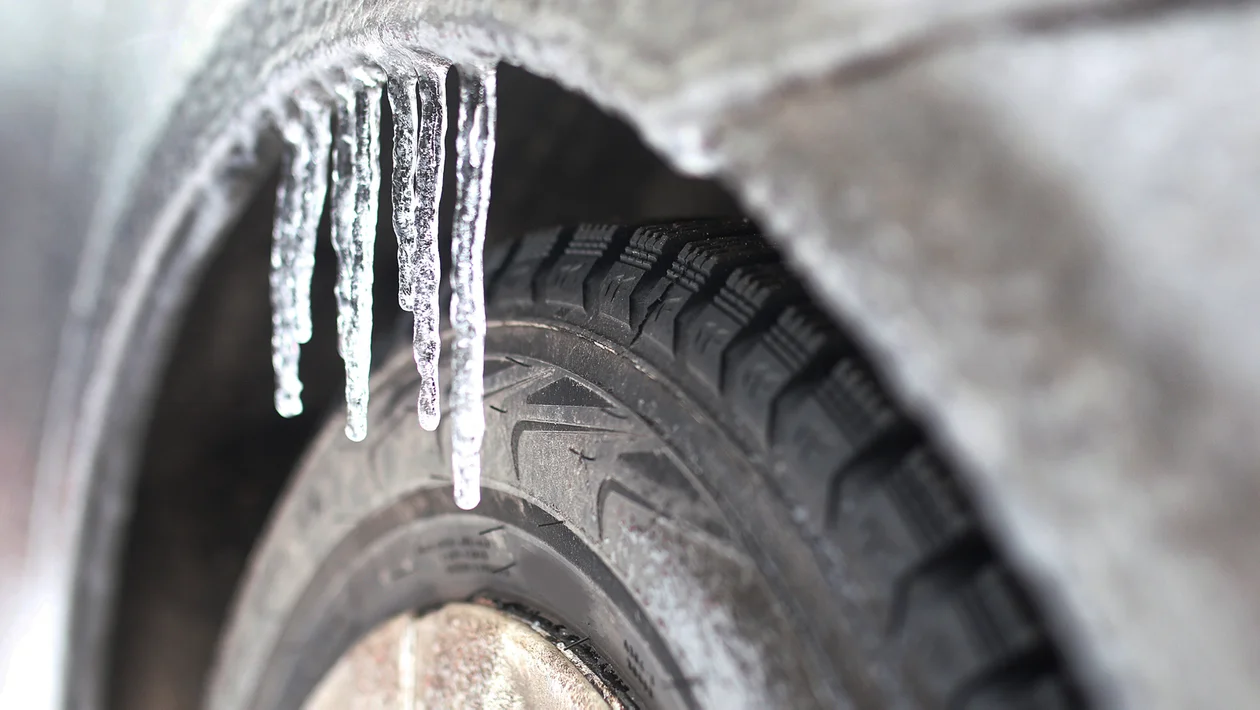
{"points": [[692, 480]]}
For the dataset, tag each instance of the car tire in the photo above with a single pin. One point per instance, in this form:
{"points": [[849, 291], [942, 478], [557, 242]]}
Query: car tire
{"points": [[689, 471]]}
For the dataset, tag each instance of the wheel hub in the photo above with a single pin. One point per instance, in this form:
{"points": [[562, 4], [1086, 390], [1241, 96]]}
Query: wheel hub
{"points": [[460, 656]]}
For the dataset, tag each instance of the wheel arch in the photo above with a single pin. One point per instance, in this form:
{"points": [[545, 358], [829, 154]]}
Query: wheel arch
{"points": [[975, 306]]}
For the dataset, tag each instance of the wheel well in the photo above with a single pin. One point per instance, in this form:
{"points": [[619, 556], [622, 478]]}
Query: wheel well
{"points": [[217, 456]]}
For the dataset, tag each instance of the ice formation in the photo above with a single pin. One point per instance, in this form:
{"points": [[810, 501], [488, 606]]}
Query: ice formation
{"points": [[356, 179], [474, 150], [419, 164], [299, 203], [418, 103]]}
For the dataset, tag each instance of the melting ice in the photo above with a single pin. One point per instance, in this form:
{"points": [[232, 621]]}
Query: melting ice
{"points": [[356, 179], [418, 103], [474, 148], [299, 203]]}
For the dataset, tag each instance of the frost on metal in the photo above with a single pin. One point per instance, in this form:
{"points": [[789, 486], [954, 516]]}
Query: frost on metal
{"points": [[418, 103]]}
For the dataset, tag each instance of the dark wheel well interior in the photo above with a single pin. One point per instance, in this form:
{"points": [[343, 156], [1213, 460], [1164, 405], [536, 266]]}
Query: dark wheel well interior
{"points": [[217, 455]]}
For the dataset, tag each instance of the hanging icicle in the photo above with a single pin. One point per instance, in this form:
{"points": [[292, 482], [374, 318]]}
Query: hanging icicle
{"points": [[418, 102], [474, 148], [402, 104], [419, 160], [427, 337], [356, 181], [299, 203]]}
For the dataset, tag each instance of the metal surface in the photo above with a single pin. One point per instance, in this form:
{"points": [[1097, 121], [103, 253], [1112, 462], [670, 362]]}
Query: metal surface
{"points": [[1042, 214], [459, 656]]}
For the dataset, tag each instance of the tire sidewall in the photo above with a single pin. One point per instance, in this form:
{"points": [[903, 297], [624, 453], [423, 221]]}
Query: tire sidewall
{"points": [[686, 616]]}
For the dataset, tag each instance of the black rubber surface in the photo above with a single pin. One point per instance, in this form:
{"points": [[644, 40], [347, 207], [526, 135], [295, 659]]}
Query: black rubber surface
{"points": [[709, 303], [689, 468]]}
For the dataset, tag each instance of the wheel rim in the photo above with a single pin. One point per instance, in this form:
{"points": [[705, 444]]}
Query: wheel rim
{"points": [[461, 655]]}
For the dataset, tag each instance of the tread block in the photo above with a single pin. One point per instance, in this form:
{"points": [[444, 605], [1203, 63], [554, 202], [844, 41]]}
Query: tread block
{"points": [[930, 502], [902, 522], [701, 267], [871, 530], [766, 367], [515, 281], [564, 284], [635, 280], [749, 295], [968, 630], [821, 426]]}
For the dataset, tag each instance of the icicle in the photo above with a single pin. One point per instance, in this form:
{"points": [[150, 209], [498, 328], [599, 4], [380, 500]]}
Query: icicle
{"points": [[475, 155], [427, 336], [416, 187], [402, 104], [299, 202], [417, 192], [356, 181], [316, 120]]}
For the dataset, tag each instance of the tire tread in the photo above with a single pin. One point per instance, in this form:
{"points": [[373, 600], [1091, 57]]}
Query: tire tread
{"points": [[712, 298]]}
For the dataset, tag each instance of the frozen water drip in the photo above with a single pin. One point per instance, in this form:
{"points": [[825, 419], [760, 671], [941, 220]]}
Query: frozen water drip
{"points": [[474, 149], [418, 103], [299, 203], [356, 180], [419, 162]]}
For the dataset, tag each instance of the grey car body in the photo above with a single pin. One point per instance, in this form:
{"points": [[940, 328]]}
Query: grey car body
{"points": [[1041, 214]]}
